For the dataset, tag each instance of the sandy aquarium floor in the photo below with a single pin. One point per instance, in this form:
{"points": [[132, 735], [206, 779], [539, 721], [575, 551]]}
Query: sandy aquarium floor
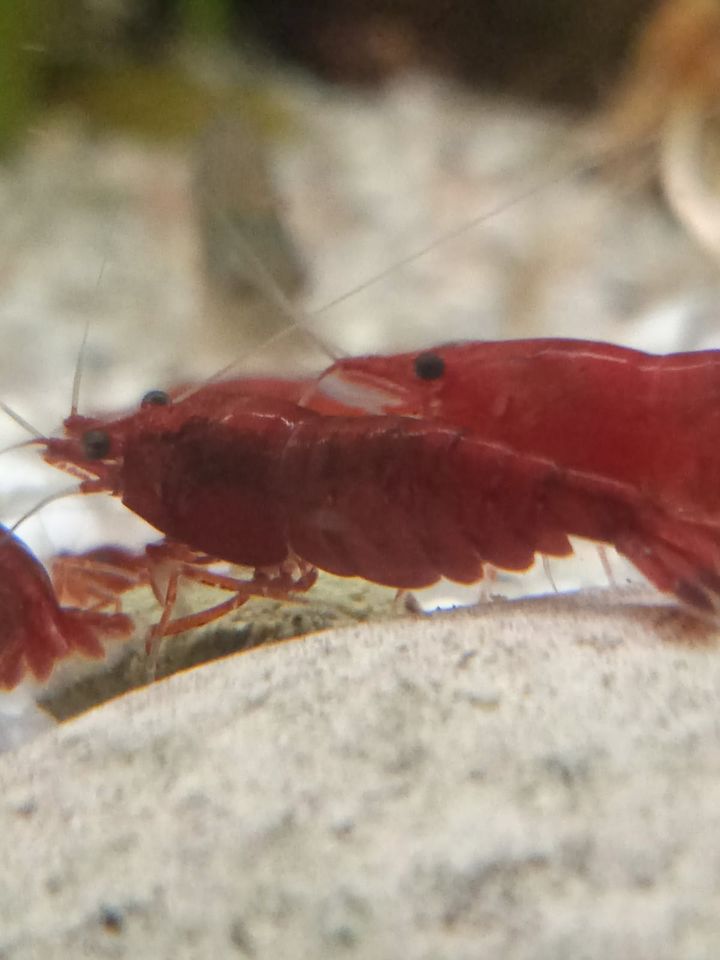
{"points": [[103, 230]]}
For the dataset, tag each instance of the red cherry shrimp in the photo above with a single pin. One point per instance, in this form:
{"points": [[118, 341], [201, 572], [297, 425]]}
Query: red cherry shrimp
{"points": [[399, 501], [36, 632]]}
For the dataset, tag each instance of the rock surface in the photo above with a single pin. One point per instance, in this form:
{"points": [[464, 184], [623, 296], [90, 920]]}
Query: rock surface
{"points": [[538, 779], [76, 685]]}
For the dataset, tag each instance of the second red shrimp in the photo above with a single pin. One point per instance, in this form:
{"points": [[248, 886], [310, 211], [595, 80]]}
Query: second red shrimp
{"points": [[35, 630]]}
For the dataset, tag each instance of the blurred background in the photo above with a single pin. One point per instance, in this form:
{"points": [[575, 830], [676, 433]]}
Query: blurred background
{"points": [[172, 169]]}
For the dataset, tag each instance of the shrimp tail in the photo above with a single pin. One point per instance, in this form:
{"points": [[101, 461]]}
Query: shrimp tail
{"points": [[679, 557]]}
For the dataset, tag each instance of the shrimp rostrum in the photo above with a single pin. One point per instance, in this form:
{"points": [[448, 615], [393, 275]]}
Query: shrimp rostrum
{"points": [[400, 501]]}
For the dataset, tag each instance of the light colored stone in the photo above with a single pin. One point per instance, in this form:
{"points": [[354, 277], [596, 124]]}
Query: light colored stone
{"points": [[538, 779], [76, 684]]}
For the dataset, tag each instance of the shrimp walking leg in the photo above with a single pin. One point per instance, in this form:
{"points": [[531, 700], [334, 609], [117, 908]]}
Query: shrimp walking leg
{"points": [[169, 563], [97, 579]]}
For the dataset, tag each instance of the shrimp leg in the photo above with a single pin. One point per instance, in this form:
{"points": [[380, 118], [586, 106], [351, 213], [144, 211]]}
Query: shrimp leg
{"points": [[170, 562]]}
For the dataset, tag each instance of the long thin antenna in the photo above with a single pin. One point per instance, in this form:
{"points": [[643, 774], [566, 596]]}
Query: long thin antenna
{"points": [[247, 355], [51, 498], [272, 291], [21, 421], [21, 445], [576, 167], [79, 363], [300, 318]]}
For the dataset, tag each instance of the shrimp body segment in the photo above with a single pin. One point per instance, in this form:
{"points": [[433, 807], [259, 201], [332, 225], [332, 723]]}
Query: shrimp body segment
{"points": [[400, 501], [35, 631]]}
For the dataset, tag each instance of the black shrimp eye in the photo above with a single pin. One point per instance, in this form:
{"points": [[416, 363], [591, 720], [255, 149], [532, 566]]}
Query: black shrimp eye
{"points": [[96, 444], [155, 398], [429, 366]]}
